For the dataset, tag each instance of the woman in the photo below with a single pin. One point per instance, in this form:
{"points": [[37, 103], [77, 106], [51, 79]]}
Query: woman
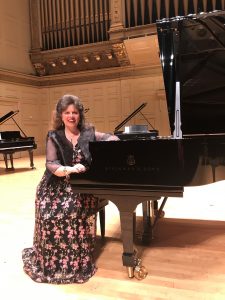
{"points": [[65, 222]]}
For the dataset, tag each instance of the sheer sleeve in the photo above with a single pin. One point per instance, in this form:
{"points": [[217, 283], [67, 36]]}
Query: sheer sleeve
{"points": [[100, 136], [52, 161]]}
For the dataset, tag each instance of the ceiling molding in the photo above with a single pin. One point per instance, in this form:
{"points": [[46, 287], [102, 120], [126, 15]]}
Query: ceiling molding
{"points": [[19, 78], [80, 77], [101, 75]]}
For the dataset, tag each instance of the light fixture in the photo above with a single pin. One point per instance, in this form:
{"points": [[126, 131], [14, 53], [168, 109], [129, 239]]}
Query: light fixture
{"points": [[63, 61], [109, 55], [74, 60], [86, 59], [97, 57], [52, 63]]}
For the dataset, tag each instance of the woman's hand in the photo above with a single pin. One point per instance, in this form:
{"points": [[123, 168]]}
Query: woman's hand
{"points": [[78, 168], [67, 170]]}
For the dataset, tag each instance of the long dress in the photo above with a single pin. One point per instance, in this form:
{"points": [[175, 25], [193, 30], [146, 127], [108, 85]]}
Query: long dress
{"points": [[64, 234]]}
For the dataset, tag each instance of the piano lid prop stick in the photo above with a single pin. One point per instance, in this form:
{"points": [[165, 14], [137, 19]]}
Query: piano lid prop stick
{"points": [[147, 120], [19, 127], [177, 134]]}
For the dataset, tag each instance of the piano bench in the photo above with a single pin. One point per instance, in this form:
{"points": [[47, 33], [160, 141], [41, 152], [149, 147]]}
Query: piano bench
{"points": [[101, 210]]}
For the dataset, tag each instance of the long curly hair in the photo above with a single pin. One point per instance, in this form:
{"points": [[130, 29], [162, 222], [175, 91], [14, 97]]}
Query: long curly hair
{"points": [[62, 105]]}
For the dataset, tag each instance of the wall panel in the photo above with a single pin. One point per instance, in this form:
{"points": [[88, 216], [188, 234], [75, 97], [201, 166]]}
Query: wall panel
{"points": [[15, 38]]}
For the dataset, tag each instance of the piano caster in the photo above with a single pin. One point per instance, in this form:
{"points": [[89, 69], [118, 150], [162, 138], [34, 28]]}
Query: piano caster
{"points": [[139, 271], [130, 271]]}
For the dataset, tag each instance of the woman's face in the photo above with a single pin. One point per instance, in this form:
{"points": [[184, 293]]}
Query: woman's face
{"points": [[71, 117]]}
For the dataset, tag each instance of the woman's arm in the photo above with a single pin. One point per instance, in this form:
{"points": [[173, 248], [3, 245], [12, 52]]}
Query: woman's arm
{"points": [[101, 136], [54, 165]]}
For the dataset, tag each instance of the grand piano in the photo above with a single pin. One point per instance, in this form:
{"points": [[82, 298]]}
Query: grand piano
{"points": [[142, 170], [13, 141]]}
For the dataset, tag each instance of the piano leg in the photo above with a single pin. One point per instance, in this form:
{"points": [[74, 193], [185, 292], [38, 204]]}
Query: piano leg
{"points": [[129, 254], [102, 221], [5, 160], [101, 209], [31, 158], [11, 160], [5, 155], [126, 209]]}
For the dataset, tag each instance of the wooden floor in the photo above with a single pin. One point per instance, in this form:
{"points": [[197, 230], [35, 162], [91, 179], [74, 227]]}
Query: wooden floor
{"points": [[186, 259]]}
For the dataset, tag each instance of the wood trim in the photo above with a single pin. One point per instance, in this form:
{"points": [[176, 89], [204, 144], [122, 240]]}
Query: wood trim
{"points": [[79, 77]]}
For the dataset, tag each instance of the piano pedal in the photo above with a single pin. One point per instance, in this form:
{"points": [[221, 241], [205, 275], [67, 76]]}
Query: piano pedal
{"points": [[140, 272]]}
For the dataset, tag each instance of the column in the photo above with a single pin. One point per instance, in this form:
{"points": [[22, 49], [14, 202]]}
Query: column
{"points": [[117, 19], [35, 25]]}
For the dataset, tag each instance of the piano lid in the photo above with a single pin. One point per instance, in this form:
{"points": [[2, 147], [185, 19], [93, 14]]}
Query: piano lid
{"points": [[8, 116], [192, 51], [130, 116]]}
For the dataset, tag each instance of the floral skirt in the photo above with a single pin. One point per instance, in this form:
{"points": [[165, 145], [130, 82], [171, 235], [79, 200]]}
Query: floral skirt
{"points": [[64, 235]]}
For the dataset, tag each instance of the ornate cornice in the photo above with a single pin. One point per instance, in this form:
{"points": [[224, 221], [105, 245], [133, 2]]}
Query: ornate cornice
{"points": [[80, 58]]}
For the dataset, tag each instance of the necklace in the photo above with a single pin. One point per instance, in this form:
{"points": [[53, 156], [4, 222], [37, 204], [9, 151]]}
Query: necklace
{"points": [[72, 137]]}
